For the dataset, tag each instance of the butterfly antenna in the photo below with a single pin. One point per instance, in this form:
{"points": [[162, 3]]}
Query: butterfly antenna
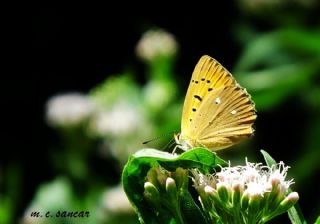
{"points": [[157, 138], [168, 145]]}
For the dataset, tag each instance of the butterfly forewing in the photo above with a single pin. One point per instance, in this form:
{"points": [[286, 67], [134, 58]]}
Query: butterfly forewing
{"points": [[223, 115], [207, 76]]}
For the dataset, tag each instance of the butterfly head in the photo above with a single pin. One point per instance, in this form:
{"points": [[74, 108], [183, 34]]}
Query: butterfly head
{"points": [[182, 143]]}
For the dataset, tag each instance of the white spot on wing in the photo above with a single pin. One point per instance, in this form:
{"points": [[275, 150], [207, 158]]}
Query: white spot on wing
{"points": [[218, 101], [233, 112]]}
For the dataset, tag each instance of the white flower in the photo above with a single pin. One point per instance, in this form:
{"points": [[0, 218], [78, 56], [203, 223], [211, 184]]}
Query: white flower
{"points": [[122, 118], [250, 187], [201, 181], [277, 176], [116, 201], [156, 43], [255, 178], [158, 94], [68, 109]]}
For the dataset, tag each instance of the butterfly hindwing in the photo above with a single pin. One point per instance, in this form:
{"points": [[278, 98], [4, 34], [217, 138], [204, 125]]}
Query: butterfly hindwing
{"points": [[225, 118]]}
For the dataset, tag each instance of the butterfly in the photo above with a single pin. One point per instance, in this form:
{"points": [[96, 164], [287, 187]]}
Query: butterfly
{"points": [[217, 111]]}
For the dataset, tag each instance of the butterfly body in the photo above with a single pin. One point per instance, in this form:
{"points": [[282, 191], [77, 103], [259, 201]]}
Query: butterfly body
{"points": [[217, 111]]}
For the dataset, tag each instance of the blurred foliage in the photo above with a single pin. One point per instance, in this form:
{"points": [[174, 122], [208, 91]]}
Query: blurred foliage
{"points": [[278, 65]]}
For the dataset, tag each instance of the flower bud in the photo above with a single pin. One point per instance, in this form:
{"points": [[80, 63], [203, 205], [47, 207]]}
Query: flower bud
{"points": [[181, 177], [289, 201], [237, 189], [254, 204], [151, 193], [223, 191], [214, 196], [171, 188]]}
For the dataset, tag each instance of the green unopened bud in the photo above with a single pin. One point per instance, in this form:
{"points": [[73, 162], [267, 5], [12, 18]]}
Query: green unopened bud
{"points": [[275, 197], [289, 201], [171, 187], [214, 196], [223, 191], [152, 176], [162, 176], [151, 193], [237, 189], [204, 199], [285, 204], [254, 205], [181, 177]]}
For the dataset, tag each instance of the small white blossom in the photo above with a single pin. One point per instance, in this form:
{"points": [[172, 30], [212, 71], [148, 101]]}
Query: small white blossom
{"points": [[122, 118], [68, 109], [156, 43], [162, 91], [201, 181]]}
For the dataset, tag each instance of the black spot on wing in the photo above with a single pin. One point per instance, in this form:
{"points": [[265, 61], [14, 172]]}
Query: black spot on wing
{"points": [[194, 109], [210, 89], [198, 97]]}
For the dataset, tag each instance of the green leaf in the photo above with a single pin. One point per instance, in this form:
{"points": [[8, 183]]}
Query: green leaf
{"points": [[192, 213], [200, 158], [318, 220], [271, 86], [135, 172], [295, 214], [269, 160]]}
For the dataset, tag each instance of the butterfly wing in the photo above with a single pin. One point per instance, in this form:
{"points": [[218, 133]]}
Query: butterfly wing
{"points": [[207, 76], [224, 119], [217, 112]]}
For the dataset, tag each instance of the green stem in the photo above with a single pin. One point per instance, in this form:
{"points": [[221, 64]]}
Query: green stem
{"points": [[237, 215]]}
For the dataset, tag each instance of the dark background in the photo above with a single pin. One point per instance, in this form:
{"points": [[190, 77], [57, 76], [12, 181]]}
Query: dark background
{"points": [[75, 48]]}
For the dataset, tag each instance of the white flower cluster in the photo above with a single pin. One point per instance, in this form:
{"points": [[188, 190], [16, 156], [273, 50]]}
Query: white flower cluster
{"points": [[255, 179], [68, 109], [155, 43], [246, 194], [121, 119]]}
